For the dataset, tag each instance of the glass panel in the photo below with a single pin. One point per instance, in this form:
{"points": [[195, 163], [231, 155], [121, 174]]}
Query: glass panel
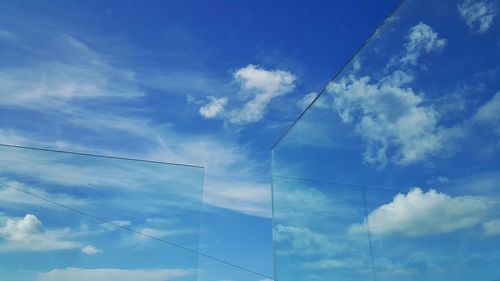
{"points": [[415, 104], [213, 270], [412, 122], [67, 216], [311, 232], [432, 235]]}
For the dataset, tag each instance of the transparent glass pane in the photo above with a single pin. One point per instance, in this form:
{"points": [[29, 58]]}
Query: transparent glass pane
{"points": [[458, 241], [414, 102], [67, 216], [413, 123], [312, 223], [213, 270]]}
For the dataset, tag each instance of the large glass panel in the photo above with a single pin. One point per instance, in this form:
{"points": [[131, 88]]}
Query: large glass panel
{"points": [[432, 235], [217, 270], [66, 216], [413, 122], [311, 227]]}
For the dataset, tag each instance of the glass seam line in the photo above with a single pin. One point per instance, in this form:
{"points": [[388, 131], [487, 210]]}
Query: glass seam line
{"points": [[99, 155], [138, 232], [371, 187], [358, 50], [370, 244]]}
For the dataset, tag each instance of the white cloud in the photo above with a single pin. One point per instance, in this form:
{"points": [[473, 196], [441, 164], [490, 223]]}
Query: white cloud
{"points": [[259, 87], [241, 196], [479, 15], [307, 100], [60, 85], [489, 112], [487, 116], [421, 213], [160, 233], [214, 108], [77, 92], [391, 118], [81, 274], [10, 196], [28, 234], [325, 264], [421, 38], [395, 122], [91, 250], [13, 137], [5, 34], [303, 241], [122, 222], [232, 176], [492, 227], [302, 203]]}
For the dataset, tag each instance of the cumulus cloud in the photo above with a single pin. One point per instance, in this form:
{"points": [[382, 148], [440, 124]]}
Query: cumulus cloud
{"points": [[28, 234], [214, 108], [420, 213], [478, 15], [81, 274], [394, 120], [492, 227], [391, 118], [91, 250], [263, 86], [258, 87], [421, 38]]}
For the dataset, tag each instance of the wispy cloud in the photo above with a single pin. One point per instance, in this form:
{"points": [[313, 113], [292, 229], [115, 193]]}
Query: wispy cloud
{"points": [[12, 197], [492, 227], [302, 241], [478, 15], [326, 264], [91, 103], [6, 35], [233, 178], [82, 274], [488, 115], [306, 100], [57, 85], [243, 196]]}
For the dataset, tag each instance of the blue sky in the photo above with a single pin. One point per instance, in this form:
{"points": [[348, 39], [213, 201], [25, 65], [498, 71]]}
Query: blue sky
{"points": [[213, 84], [393, 172]]}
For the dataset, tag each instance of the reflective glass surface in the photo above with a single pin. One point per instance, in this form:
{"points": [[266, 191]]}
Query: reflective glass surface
{"points": [[393, 172], [66, 216]]}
